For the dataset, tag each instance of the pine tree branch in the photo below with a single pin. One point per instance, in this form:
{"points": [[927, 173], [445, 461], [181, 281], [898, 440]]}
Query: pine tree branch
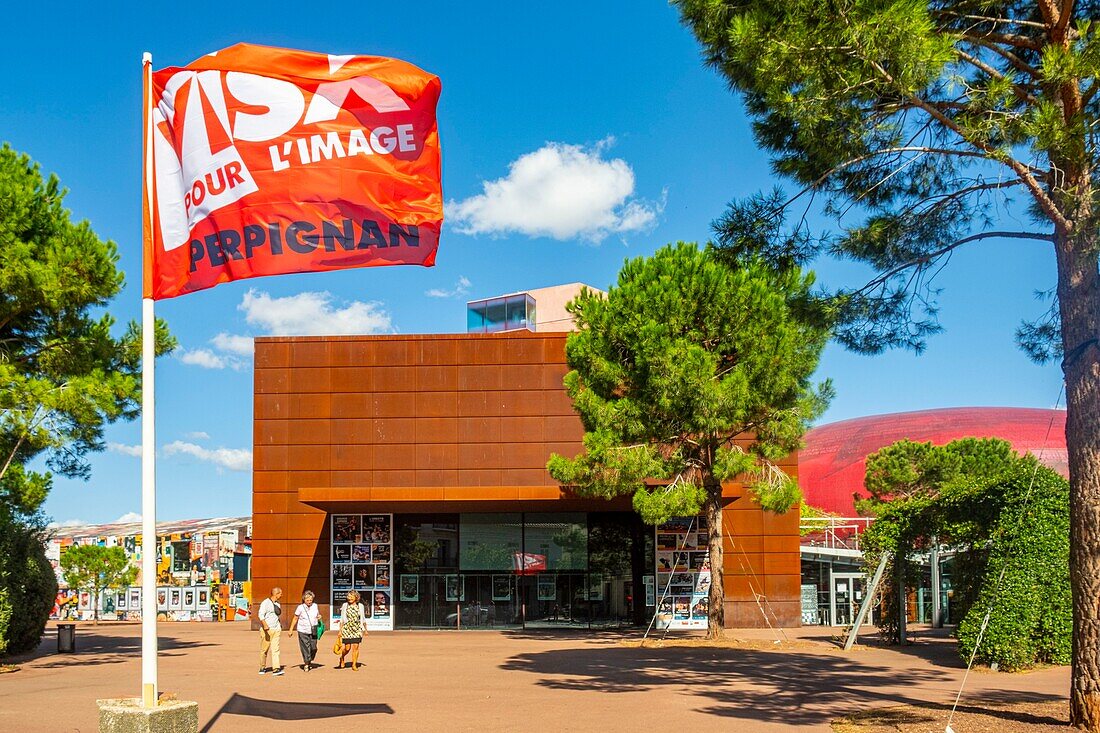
{"points": [[1021, 169], [995, 21], [1017, 63], [946, 198], [928, 258], [977, 63]]}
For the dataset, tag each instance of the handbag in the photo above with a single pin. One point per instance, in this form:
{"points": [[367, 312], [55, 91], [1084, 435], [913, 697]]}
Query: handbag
{"points": [[320, 628]]}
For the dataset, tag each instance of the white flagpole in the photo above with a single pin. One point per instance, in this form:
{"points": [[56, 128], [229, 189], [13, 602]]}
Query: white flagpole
{"points": [[148, 432]]}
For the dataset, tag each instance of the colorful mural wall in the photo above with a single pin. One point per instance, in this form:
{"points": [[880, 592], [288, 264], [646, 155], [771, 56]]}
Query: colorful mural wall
{"points": [[203, 570]]}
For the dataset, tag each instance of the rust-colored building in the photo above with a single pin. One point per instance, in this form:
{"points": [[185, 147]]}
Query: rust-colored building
{"points": [[413, 468]]}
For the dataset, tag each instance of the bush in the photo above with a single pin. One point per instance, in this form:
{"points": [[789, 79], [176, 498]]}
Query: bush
{"points": [[28, 586], [1031, 620]]}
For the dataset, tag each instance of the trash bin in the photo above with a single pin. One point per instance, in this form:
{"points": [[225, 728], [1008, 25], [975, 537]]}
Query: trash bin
{"points": [[66, 638]]}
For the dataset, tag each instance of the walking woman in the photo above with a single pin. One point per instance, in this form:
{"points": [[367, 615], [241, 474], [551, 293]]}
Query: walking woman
{"points": [[306, 617], [352, 632]]}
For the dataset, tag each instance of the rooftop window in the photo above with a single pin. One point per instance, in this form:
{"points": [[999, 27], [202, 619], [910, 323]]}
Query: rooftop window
{"points": [[493, 315]]}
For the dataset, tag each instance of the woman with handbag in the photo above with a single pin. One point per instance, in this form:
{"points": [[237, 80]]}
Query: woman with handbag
{"points": [[352, 631], [307, 618]]}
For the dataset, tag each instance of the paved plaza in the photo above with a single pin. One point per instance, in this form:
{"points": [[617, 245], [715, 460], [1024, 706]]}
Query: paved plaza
{"points": [[499, 681]]}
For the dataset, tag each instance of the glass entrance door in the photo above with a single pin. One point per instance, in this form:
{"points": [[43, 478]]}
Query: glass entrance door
{"points": [[847, 595]]}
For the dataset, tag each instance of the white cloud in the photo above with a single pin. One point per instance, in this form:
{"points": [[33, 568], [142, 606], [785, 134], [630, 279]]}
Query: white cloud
{"points": [[462, 287], [313, 314], [128, 517], [198, 435], [234, 459], [207, 359], [236, 352], [559, 191], [133, 451], [67, 523], [233, 344]]}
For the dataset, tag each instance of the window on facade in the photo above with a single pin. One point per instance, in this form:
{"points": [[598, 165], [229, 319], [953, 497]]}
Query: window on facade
{"points": [[475, 317], [495, 315], [512, 313], [489, 541], [560, 540], [426, 542]]}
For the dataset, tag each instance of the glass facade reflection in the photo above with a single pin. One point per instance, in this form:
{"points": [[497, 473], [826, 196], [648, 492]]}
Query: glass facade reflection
{"points": [[520, 570], [508, 313]]}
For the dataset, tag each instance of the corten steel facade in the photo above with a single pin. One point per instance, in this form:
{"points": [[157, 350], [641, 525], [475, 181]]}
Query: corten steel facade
{"points": [[445, 423]]}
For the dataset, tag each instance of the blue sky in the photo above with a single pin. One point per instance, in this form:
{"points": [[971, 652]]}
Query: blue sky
{"points": [[606, 91]]}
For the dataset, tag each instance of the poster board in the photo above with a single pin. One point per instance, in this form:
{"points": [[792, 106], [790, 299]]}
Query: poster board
{"points": [[809, 605], [683, 573], [361, 558]]}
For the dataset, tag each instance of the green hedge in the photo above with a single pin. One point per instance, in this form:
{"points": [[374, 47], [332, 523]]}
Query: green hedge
{"points": [[1031, 620], [28, 586]]}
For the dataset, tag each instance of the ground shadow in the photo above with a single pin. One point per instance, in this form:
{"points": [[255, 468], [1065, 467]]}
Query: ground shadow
{"points": [[991, 704], [793, 688], [95, 648], [278, 710]]}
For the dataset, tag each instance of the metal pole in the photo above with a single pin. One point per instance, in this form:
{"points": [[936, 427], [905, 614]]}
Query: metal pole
{"points": [[148, 435], [934, 556], [899, 562], [868, 599]]}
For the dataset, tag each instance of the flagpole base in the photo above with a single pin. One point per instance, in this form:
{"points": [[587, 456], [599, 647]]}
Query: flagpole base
{"points": [[149, 695], [129, 715]]}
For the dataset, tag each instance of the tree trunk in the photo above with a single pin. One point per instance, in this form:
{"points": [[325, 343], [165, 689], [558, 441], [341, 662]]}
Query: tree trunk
{"points": [[716, 621], [1079, 302]]}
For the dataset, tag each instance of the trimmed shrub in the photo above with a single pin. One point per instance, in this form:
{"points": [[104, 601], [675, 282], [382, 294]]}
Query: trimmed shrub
{"points": [[28, 586], [1031, 619]]}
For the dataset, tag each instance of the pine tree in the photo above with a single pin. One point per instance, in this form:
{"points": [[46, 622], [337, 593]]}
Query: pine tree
{"points": [[688, 374]]}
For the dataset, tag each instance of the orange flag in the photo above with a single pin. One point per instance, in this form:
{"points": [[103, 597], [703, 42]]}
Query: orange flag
{"points": [[266, 161]]}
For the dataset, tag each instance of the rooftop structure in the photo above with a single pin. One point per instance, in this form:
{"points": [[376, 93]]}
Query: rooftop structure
{"points": [[539, 310]]}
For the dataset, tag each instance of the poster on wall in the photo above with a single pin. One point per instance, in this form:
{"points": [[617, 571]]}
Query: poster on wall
{"points": [[175, 599], [363, 577], [162, 599], [410, 587], [548, 590], [502, 588], [189, 599], [683, 574], [362, 559], [347, 528], [123, 600], [381, 606], [135, 599], [453, 588], [203, 599], [341, 576]]}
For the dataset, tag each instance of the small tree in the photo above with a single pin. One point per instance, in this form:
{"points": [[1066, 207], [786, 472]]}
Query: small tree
{"points": [[688, 374], [95, 568], [28, 585], [1007, 519]]}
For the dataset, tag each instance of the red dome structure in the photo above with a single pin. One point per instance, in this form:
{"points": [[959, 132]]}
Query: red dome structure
{"points": [[831, 467]]}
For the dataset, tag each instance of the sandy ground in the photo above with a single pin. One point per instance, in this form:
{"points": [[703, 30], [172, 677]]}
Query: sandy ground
{"points": [[504, 681]]}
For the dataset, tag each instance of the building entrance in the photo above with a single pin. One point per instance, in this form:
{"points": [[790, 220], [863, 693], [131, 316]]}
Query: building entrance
{"points": [[847, 595], [520, 570]]}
